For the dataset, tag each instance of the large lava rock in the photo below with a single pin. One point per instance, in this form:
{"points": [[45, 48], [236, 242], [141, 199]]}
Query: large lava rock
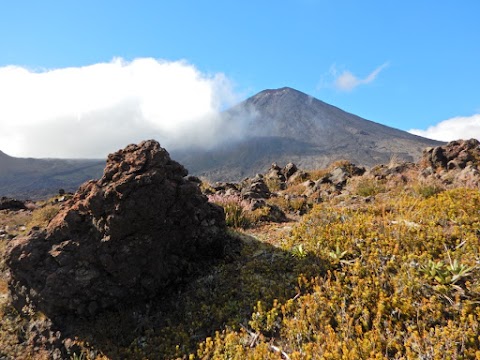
{"points": [[121, 239]]}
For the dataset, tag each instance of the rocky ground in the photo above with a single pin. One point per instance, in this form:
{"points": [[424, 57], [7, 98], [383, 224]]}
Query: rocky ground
{"points": [[244, 290]]}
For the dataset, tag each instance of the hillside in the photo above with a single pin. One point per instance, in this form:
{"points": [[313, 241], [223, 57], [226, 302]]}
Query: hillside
{"points": [[285, 125], [40, 178], [377, 264]]}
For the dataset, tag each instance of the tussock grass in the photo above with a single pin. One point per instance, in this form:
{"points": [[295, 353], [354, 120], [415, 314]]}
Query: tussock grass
{"points": [[237, 210]]}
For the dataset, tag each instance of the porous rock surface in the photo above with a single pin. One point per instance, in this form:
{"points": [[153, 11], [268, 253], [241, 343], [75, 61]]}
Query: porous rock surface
{"points": [[121, 239]]}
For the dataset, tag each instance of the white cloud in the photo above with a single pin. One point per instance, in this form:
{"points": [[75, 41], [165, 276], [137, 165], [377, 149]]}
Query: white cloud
{"points": [[452, 129], [93, 110], [346, 81]]}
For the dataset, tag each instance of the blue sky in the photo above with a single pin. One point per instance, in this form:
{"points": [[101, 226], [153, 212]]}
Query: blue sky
{"points": [[408, 64]]}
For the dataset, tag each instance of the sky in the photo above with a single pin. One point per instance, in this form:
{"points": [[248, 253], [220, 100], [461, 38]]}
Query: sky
{"points": [[85, 78]]}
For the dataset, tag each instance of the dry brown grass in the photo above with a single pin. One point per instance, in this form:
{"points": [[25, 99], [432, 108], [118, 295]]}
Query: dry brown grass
{"points": [[42, 216], [338, 163], [316, 174], [297, 189], [3, 287]]}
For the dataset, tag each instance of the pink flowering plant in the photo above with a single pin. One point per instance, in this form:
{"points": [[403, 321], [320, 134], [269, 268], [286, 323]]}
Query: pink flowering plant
{"points": [[236, 209]]}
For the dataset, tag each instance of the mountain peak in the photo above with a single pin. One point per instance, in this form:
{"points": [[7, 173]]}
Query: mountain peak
{"points": [[280, 91], [279, 98], [284, 89], [287, 125]]}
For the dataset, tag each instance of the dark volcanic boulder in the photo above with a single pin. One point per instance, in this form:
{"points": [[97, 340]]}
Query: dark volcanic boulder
{"points": [[339, 175], [11, 204], [121, 239], [455, 155], [289, 170]]}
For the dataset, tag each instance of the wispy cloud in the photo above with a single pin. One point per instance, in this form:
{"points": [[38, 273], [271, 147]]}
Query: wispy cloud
{"points": [[93, 110], [452, 129], [346, 81]]}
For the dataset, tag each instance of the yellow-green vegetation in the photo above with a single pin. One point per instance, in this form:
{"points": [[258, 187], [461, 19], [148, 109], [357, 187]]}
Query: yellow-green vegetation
{"points": [[289, 204], [402, 282], [397, 277], [427, 190], [369, 187]]}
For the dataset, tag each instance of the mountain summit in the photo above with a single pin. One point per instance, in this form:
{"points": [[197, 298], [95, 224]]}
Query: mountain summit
{"points": [[285, 125], [289, 113]]}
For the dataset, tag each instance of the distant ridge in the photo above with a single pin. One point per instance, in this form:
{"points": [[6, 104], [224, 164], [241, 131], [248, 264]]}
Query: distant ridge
{"points": [[285, 125], [38, 178]]}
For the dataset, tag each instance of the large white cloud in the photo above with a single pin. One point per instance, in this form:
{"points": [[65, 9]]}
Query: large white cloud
{"points": [[452, 129], [93, 110]]}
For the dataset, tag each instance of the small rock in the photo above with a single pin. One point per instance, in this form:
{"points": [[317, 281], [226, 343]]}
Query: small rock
{"points": [[289, 170]]}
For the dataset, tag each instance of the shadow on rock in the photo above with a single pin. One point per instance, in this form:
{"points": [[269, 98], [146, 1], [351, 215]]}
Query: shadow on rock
{"points": [[172, 324]]}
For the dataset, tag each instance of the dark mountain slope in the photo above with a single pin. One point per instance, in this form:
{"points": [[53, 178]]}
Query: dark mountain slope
{"points": [[286, 125], [37, 178]]}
